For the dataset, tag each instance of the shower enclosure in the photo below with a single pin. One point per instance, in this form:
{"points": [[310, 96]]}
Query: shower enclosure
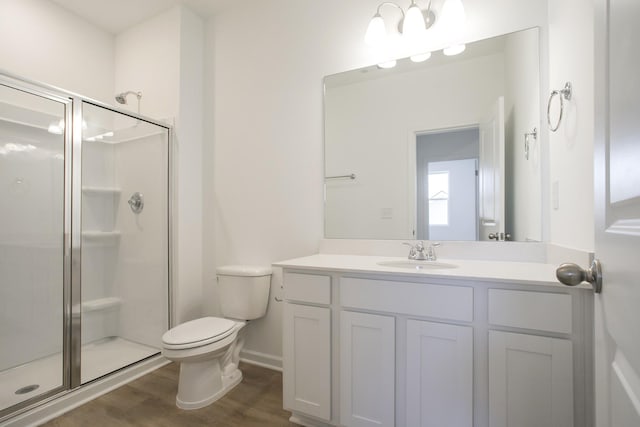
{"points": [[84, 241]]}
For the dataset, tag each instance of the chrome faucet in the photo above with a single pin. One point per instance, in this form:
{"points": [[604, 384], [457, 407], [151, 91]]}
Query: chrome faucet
{"points": [[417, 251]]}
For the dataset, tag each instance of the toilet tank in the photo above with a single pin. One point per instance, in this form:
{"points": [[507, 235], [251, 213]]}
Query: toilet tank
{"points": [[244, 290]]}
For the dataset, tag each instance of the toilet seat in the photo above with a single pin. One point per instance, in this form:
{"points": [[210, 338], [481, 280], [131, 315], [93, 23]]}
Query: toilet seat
{"points": [[198, 333]]}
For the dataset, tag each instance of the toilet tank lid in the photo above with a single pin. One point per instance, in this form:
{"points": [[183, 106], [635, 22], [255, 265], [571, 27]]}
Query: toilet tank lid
{"points": [[243, 270]]}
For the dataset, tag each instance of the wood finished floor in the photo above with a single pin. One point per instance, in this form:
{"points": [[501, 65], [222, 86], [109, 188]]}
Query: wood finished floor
{"points": [[150, 401]]}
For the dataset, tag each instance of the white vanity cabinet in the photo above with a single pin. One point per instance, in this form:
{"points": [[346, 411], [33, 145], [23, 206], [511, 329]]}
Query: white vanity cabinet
{"points": [[436, 357], [530, 381], [367, 369], [307, 345], [530, 376], [439, 379], [420, 350]]}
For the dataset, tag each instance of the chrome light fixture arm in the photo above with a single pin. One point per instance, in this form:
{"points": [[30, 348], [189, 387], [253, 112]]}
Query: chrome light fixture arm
{"points": [[389, 3]]}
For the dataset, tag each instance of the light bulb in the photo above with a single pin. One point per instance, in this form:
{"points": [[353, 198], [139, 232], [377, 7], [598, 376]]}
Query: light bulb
{"points": [[454, 50], [420, 57], [387, 64], [376, 31], [413, 25], [453, 17]]}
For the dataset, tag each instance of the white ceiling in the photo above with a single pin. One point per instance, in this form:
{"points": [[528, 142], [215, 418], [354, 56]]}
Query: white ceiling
{"points": [[115, 16]]}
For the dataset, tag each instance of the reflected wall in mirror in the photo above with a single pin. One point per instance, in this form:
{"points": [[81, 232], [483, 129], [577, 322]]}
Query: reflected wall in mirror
{"points": [[437, 148]]}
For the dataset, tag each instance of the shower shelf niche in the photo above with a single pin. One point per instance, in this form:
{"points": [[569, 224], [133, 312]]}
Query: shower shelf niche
{"points": [[100, 304], [101, 237], [99, 191]]}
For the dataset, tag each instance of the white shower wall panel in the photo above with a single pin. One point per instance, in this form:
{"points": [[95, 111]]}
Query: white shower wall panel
{"points": [[141, 274], [31, 239]]}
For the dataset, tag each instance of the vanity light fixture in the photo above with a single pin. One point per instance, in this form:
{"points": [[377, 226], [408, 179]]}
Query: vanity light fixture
{"points": [[453, 20], [388, 64], [414, 23], [454, 50]]}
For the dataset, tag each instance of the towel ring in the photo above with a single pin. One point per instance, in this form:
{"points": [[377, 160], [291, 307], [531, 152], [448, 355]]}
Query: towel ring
{"points": [[562, 94]]}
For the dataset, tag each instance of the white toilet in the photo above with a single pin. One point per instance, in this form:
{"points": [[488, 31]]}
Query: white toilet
{"points": [[208, 349]]}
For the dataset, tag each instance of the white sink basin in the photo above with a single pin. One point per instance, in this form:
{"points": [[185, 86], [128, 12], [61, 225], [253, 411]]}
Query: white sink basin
{"points": [[417, 265]]}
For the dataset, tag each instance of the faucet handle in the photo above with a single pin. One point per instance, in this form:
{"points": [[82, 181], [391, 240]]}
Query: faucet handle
{"points": [[431, 251], [412, 250]]}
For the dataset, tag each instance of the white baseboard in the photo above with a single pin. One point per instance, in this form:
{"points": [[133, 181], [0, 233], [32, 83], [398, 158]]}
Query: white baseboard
{"points": [[306, 422], [264, 360]]}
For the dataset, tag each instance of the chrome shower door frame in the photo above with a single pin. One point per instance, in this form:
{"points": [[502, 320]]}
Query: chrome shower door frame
{"points": [[72, 214], [52, 94]]}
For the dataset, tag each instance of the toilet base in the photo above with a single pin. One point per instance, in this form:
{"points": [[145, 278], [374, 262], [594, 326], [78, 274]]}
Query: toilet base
{"points": [[186, 402]]}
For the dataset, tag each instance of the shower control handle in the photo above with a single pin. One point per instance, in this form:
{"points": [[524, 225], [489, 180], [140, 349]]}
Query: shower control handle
{"points": [[136, 202]]}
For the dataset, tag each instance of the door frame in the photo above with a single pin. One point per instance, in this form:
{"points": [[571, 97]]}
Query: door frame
{"points": [[412, 177]]}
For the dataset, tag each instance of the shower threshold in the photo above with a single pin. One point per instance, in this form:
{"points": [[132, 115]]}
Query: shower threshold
{"points": [[99, 358]]}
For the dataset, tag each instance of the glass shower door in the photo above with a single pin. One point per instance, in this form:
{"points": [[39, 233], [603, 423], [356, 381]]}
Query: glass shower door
{"points": [[32, 246], [125, 275]]}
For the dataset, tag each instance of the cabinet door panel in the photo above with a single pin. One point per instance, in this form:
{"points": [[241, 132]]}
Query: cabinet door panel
{"points": [[367, 370], [439, 375], [530, 381], [307, 360]]}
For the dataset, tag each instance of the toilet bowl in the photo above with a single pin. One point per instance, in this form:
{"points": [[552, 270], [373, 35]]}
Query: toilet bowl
{"points": [[208, 349]]}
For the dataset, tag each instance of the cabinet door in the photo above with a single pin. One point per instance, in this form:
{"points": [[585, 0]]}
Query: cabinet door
{"points": [[367, 370], [439, 375], [530, 381], [307, 360]]}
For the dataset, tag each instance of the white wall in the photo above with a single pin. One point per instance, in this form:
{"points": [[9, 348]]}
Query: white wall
{"points": [[571, 45], [147, 59], [189, 165], [162, 57], [40, 40], [264, 68]]}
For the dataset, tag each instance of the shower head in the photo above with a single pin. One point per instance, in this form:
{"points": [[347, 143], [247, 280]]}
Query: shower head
{"points": [[122, 97]]}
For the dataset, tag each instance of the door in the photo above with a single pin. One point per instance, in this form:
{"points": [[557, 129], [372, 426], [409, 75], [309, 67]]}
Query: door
{"points": [[446, 183], [307, 360], [367, 370], [617, 203], [439, 374], [34, 243], [451, 197], [491, 171], [125, 240]]}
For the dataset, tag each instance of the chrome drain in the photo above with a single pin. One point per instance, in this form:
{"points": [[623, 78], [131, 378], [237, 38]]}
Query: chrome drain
{"points": [[27, 389]]}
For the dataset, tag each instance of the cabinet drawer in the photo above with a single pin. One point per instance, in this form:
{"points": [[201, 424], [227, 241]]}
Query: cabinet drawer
{"points": [[530, 310], [311, 288], [418, 299]]}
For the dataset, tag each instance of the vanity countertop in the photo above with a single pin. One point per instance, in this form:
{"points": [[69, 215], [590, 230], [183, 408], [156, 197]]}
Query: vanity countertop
{"points": [[528, 273]]}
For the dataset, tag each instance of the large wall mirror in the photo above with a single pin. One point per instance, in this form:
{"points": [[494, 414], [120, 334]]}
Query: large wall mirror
{"points": [[439, 150]]}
